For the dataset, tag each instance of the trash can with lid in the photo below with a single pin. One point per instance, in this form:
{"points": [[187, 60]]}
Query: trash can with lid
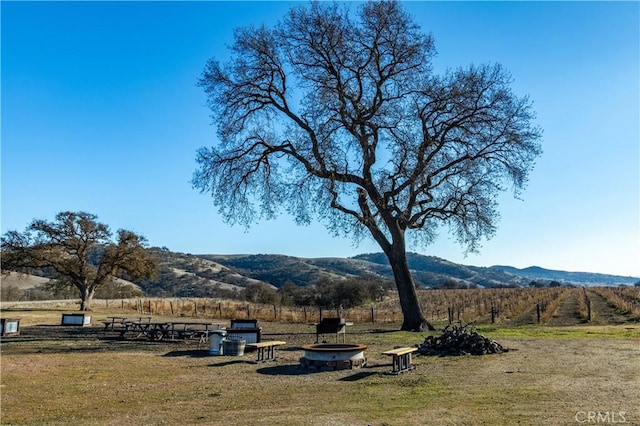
{"points": [[216, 337]]}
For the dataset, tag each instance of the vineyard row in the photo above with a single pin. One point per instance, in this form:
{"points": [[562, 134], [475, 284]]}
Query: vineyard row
{"points": [[515, 305]]}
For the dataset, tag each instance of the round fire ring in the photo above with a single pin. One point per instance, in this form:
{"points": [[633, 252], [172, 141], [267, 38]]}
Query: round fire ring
{"points": [[333, 355]]}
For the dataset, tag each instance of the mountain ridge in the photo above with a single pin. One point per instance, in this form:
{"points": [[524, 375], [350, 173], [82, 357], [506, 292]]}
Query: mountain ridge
{"points": [[428, 271], [538, 272], [226, 275]]}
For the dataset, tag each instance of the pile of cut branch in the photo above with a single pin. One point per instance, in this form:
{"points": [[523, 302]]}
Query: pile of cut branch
{"points": [[460, 340]]}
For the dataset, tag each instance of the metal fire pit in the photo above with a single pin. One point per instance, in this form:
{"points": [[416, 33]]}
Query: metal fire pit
{"points": [[336, 356]]}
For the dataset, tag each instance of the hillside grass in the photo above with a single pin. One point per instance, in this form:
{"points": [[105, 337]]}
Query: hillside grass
{"points": [[20, 281], [53, 375]]}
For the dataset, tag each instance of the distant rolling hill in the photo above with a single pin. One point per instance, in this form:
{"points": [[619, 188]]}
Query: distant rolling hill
{"points": [[22, 281], [188, 275], [278, 269], [26, 281], [428, 271], [211, 275], [583, 278], [431, 271]]}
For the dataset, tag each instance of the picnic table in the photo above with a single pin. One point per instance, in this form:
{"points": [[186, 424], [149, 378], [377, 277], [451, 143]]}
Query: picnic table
{"points": [[154, 330], [188, 329], [159, 330], [111, 322], [117, 322]]}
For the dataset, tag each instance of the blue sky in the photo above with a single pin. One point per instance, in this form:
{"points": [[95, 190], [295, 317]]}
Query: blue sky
{"points": [[101, 113]]}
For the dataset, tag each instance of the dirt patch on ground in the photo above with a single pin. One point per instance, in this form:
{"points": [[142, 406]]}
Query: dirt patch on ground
{"points": [[568, 312], [604, 313]]}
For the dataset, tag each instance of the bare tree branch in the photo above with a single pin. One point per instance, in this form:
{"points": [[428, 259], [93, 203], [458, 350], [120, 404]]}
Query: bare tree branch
{"points": [[370, 132]]}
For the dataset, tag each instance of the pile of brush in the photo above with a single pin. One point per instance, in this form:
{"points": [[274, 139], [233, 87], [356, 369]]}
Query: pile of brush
{"points": [[460, 340]]}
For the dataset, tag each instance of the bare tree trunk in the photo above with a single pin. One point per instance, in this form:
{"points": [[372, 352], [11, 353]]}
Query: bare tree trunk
{"points": [[414, 319], [86, 295]]}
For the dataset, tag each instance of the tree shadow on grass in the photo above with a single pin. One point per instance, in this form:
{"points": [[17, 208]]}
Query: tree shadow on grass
{"points": [[286, 370], [192, 353], [201, 353], [359, 376], [298, 370], [18, 309], [231, 362], [290, 348], [303, 333], [382, 331]]}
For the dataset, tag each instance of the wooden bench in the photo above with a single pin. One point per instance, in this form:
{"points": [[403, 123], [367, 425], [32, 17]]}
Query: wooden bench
{"points": [[401, 359], [269, 347]]}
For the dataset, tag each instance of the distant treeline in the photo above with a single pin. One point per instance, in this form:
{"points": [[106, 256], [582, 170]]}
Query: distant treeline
{"points": [[346, 293], [53, 291]]}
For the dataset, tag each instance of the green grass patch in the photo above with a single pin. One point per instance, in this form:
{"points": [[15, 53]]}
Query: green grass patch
{"points": [[575, 332]]}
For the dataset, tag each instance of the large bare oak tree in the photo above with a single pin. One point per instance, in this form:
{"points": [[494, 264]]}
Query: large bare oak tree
{"points": [[335, 113], [80, 252]]}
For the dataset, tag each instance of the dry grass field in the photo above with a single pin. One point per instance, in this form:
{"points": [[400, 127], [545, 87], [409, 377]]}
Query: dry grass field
{"points": [[565, 375]]}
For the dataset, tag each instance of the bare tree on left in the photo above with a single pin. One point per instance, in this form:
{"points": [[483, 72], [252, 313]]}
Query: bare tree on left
{"points": [[79, 250]]}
